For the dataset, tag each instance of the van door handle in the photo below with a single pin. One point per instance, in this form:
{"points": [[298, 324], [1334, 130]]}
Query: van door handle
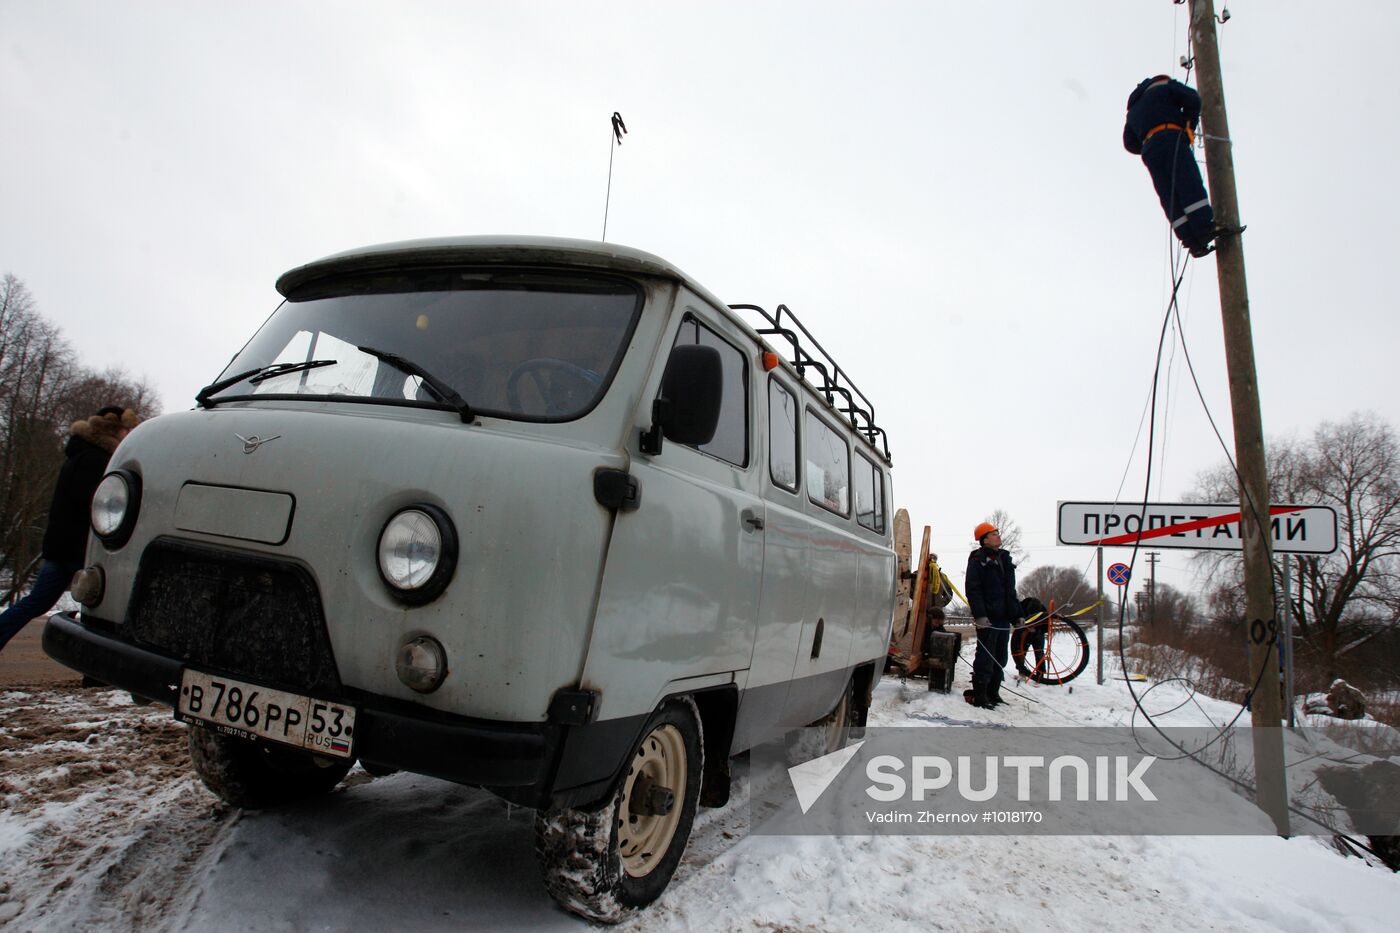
{"points": [[752, 520]]}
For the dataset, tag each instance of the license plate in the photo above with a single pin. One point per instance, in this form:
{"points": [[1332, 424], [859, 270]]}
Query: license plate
{"points": [[254, 712]]}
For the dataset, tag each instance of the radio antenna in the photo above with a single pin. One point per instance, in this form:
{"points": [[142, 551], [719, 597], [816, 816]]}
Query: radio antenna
{"points": [[619, 130]]}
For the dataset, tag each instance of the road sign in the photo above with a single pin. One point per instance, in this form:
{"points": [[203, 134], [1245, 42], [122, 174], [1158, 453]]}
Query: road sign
{"points": [[1210, 526], [1118, 574]]}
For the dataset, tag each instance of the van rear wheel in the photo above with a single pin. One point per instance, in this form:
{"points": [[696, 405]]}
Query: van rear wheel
{"points": [[829, 734], [253, 776], [836, 726], [606, 863]]}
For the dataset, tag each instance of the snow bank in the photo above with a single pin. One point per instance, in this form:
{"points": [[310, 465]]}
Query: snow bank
{"points": [[141, 845]]}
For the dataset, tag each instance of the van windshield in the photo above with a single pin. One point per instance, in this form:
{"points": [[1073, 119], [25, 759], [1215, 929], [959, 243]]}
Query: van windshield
{"points": [[515, 344]]}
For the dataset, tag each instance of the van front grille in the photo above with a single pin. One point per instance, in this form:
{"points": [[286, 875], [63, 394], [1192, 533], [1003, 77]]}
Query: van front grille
{"points": [[233, 613]]}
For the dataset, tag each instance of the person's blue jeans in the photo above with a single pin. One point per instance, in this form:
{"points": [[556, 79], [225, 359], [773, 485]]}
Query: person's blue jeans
{"points": [[49, 586]]}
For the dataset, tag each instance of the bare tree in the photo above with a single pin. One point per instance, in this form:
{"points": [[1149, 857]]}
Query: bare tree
{"points": [[112, 386], [1065, 586], [1162, 603], [1225, 606], [35, 366], [43, 389], [1010, 532], [1344, 600], [1172, 606]]}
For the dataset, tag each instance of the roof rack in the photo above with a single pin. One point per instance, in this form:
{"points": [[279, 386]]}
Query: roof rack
{"points": [[833, 380]]}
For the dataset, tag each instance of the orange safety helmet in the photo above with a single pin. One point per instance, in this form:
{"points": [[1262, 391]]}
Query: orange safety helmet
{"points": [[982, 530]]}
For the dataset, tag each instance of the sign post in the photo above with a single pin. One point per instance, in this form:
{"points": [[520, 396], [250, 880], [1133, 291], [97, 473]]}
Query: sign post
{"points": [[1118, 575], [1100, 617], [1287, 646]]}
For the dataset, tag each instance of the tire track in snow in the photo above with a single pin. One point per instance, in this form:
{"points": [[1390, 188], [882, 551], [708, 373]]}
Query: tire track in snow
{"points": [[101, 822]]}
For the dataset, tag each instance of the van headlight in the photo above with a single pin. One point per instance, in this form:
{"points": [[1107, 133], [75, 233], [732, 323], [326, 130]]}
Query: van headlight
{"points": [[418, 553], [114, 507]]}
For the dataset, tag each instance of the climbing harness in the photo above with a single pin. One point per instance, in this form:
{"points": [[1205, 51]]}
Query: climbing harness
{"points": [[1190, 135]]}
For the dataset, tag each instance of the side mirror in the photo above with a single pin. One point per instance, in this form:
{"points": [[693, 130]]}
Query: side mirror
{"points": [[692, 388]]}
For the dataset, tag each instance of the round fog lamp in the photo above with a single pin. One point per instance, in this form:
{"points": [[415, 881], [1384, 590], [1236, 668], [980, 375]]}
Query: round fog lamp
{"points": [[422, 664], [88, 586]]}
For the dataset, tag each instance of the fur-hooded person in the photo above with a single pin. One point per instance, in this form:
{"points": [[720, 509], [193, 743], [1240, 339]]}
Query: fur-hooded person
{"points": [[89, 448]]}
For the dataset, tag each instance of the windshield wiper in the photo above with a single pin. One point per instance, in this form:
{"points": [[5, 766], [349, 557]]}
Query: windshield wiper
{"points": [[261, 374], [442, 390], [281, 369]]}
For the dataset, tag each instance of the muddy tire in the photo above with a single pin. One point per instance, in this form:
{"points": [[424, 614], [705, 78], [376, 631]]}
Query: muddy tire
{"points": [[253, 776], [829, 734], [836, 725], [607, 863]]}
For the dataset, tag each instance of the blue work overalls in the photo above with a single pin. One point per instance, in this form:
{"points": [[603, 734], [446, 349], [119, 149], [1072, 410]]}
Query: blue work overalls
{"points": [[1161, 126]]}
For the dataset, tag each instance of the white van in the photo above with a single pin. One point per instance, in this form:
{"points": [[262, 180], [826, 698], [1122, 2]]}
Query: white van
{"points": [[538, 515]]}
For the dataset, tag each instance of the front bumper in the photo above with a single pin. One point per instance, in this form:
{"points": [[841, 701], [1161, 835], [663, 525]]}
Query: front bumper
{"points": [[517, 759]]}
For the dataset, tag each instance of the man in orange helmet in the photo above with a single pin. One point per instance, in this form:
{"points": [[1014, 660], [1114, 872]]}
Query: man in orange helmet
{"points": [[991, 594]]}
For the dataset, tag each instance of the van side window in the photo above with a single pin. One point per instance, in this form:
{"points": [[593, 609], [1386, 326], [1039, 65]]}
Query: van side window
{"points": [[870, 495], [782, 436], [731, 440], [828, 466]]}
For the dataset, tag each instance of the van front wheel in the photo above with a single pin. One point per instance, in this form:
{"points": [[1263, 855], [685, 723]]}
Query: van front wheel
{"points": [[605, 863]]}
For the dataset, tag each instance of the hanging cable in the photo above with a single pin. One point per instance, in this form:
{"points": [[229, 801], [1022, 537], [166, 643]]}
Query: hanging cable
{"points": [[1173, 315]]}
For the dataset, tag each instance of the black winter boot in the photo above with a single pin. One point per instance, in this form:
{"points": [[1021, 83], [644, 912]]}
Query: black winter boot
{"points": [[994, 696], [980, 697]]}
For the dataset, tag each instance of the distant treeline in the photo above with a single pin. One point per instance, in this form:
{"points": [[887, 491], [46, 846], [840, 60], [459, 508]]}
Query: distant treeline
{"points": [[44, 388]]}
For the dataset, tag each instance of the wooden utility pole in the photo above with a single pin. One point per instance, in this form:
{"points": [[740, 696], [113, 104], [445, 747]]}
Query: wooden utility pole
{"points": [[1272, 788]]}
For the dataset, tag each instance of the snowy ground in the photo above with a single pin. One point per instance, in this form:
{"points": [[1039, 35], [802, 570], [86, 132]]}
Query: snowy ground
{"points": [[102, 827]]}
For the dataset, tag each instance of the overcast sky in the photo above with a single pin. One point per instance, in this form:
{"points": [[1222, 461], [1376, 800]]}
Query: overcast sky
{"points": [[938, 189]]}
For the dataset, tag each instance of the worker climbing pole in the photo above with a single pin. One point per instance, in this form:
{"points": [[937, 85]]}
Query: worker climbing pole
{"points": [[1163, 117]]}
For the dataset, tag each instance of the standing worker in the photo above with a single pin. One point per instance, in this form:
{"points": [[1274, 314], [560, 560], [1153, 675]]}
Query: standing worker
{"points": [[65, 540], [1163, 115], [1036, 621], [991, 594]]}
